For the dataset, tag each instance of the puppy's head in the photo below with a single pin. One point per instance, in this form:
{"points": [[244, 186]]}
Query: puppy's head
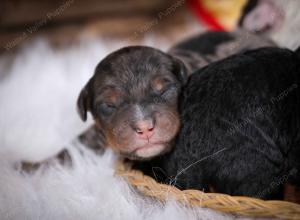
{"points": [[133, 98]]}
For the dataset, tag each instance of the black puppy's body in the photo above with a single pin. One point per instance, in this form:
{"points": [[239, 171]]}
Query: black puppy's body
{"points": [[240, 127]]}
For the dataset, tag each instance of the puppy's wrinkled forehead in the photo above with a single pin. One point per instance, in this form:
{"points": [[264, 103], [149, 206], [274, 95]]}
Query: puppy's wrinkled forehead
{"points": [[132, 69]]}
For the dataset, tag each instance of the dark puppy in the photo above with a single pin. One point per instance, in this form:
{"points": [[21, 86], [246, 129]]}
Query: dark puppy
{"points": [[134, 91], [240, 127]]}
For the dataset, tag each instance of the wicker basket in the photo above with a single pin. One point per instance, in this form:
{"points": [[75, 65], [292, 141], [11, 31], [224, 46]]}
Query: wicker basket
{"points": [[236, 205]]}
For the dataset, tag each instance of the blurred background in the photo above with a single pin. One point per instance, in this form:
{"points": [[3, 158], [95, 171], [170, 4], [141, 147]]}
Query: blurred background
{"points": [[49, 49], [65, 21]]}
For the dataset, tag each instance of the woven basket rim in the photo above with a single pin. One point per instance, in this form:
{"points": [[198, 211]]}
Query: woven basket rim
{"points": [[236, 205]]}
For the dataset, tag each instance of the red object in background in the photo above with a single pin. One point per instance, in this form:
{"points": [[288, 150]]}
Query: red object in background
{"points": [[203, 15]]}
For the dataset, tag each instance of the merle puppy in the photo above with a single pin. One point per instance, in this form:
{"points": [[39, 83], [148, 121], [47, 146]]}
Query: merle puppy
{"points": [[240, 127]]}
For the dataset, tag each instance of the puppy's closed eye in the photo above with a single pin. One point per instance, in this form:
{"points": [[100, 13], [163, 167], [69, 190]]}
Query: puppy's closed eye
{"points": [[107, 101], [106, 108]]}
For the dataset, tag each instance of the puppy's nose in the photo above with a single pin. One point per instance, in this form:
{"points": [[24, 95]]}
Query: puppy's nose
{"points": [[145, 128]]}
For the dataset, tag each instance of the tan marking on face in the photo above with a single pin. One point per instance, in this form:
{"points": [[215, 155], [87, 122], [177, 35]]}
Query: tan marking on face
{"points": [[158, 84], [108, 135], [113, 96], [110, 139]]}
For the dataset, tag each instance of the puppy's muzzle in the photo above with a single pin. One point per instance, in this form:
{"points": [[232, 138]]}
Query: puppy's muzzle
{"points": [[144, 128]]}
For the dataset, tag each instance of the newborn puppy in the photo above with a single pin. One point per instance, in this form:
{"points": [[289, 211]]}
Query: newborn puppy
{"points": [[133, 99], [240, 127], [134, 91]]}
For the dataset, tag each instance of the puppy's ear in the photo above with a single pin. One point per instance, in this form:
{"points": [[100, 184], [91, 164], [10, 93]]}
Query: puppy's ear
{"points": [[83, 103], [180, 70]]}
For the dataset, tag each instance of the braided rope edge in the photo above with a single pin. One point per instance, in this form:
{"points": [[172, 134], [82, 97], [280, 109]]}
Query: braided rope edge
{"points": [[237, 205]]}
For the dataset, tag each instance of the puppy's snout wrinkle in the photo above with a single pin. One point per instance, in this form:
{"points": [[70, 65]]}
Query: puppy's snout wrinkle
{"points": [[144, 128]]}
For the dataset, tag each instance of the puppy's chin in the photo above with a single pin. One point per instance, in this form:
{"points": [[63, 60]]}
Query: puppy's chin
{"points": [[150, 150], [147, 152], [129, 144]]}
